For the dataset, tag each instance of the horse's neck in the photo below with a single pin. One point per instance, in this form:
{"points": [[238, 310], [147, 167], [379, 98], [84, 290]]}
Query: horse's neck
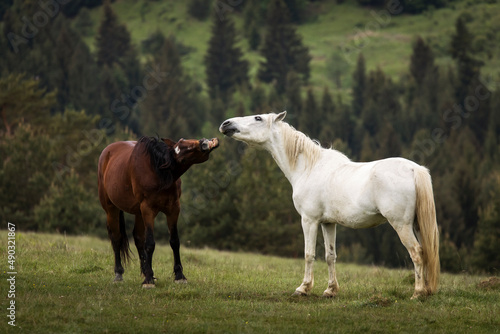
{"points": [[180, 169], [277, 149]]}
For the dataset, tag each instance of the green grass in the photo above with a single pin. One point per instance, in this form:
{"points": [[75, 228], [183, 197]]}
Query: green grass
{"points": [[64, 285]]}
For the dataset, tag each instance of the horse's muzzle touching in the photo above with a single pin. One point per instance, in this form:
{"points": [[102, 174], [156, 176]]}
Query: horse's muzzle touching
{"points": [[209, 145], [228, 129]]}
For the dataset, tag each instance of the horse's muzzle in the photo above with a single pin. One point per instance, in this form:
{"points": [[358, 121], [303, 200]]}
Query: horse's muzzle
{"points": [[209, 145], [213, 143], [228, 129]]}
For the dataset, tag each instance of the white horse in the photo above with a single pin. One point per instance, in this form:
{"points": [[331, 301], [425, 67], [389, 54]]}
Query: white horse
{"points": [[330, 189]]}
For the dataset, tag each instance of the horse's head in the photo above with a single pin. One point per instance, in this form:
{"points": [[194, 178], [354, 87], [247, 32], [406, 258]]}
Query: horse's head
{"points": [[251, 129], [194, 151]]}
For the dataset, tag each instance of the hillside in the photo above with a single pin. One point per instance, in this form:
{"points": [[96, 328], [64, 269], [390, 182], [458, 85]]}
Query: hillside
{"points": [[88, 80], [64, 284], [343, 30]]}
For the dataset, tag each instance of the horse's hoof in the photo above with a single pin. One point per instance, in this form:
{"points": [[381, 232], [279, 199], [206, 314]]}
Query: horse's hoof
{"points": [[299, 293], [148, 286], [418, 295], [118, 278], [328, 295], [181, 281]]}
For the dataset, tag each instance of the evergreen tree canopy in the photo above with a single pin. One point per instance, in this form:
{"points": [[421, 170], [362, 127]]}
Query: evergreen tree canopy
{"points": [[282, 49], [23, 99], [170, 107], [310, 119], [358, 88], [467, 67], [327, 134], [113, 39], [224, 65], [421, 61]]}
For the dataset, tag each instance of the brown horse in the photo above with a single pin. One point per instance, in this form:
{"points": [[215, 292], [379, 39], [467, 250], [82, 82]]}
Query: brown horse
{"points": [[143, 178]]}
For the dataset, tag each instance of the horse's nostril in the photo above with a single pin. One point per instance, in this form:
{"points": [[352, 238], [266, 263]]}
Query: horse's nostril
{"points": [[226, 123]]}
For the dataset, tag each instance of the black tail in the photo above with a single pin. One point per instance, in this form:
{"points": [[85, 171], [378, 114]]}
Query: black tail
{"points": [[124, 245]]}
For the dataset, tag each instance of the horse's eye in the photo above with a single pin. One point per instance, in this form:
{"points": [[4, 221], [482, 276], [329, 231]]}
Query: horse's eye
{"points": [[258, 118]]}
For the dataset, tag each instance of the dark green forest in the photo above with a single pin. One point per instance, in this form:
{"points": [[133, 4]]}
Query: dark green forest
{"points": [[73, 79]]}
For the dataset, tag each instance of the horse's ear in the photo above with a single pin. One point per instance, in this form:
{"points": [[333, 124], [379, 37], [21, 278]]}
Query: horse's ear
{"points": [[169, 142], [280, 116]]}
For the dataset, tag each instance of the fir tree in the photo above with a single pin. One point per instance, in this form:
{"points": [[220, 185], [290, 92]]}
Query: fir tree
{"points": [[282, 49], [63, 52], [421, 61], [343, 125], [381, 102], [170, 108], [293, 95], [296, 9], [113, 39], [225, 67], [422, 93], [358, 88], [199, 9], [310, 118], [468, 70], [486, 251], [84, 22], [468, 67], [327, 133], [83, 93], [388, 142], [153, 44]]}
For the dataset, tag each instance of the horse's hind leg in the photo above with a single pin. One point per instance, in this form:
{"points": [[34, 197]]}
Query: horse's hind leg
{"points": [[113, 224], [175, 244], [329, 234], [411, 243]]}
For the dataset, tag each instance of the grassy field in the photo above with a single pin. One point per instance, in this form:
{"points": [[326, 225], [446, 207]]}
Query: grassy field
{"points": [[64, 285]]}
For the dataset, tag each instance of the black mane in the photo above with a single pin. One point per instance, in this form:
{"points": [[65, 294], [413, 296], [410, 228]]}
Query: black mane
{"points": [[161, 159]]}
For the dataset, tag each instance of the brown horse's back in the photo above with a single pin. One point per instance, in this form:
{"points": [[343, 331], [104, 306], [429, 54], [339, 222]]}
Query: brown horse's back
{"points": [[115, 187]]}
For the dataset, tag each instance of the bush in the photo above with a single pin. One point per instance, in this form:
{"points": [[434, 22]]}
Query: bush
{"points": [[69, 207]]}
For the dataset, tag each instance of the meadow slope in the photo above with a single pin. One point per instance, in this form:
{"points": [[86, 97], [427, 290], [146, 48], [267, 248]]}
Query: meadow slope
{"points": [[64, 285], [345, 30]]}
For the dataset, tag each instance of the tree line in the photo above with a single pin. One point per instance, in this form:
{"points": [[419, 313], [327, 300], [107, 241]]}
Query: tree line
{"points": [[63, 103]]}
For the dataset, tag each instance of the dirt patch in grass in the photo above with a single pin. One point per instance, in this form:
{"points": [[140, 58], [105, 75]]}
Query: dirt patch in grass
{"points": [[492, 283], [380, 301]]}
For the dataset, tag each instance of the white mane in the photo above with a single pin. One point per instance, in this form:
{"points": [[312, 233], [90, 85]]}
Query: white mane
{"points": [[297, 143]]}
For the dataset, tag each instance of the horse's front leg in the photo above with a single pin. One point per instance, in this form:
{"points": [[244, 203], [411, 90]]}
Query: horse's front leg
{"points": [[310, 228], [172, 218], [329, 234], [140, 241], [148, 216]]}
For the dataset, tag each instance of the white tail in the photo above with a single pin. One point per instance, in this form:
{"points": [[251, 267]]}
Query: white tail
{"points": [[429, 235]]}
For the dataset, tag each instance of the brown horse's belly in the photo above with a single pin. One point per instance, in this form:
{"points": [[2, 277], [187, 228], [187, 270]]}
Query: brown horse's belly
{"points": [[117, 180]]}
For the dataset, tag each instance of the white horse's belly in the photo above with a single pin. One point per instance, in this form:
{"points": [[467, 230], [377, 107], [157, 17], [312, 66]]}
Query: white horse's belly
{"points": [[354, 220]]}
